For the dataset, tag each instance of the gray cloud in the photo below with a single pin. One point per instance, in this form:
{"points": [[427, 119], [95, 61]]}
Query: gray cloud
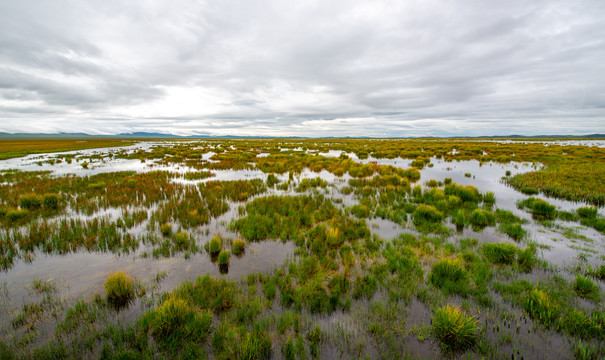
{"points": [[350, 68]]}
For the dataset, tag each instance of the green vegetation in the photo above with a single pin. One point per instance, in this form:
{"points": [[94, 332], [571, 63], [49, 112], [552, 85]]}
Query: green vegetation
{"points": [[455, 329], [175, 322], [481, 218], [527, 259], [449, 275], [500, 253], [575, 180], [586, 288], [15, 148], [120, 288], [515, 231], [340, 258], [215, 245], [223, 257], [541, 307], [238, 247], [426, 213], [540, 209]]}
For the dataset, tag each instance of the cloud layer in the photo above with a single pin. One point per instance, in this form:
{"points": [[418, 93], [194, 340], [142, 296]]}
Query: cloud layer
{"points": [[306, 68]]}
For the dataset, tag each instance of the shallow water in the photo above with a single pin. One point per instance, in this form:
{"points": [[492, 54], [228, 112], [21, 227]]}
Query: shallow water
{"points": [[597, 143], [85, 272]]}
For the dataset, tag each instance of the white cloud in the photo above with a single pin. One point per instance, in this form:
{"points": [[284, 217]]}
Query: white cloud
{"points": [[274, 67]]}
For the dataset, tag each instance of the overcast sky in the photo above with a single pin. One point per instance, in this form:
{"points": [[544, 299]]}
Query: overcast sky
{"points": [[307, 68]]}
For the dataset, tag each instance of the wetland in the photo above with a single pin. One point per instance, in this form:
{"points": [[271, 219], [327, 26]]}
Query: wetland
{"points": [[302, 248]]}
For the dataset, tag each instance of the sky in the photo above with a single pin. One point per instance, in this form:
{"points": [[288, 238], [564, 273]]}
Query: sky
{"points": [[303, 68]]}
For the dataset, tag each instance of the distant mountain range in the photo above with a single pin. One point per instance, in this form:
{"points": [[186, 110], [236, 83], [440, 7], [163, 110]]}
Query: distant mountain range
{"points": [[151, 135]]}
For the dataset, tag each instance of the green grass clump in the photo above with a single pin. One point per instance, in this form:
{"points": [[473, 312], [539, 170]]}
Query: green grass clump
{"points": [[587, 212], [238, 247], [232, 342], [360, 210], [489, 198], [500, 253], [306, 184], [578, 323], [120, 288], [217, 295], [527, 258], [587, 351], [529, 190], [449, 274], [586, 288], [215, 245], [460, 218], [577, 179], [481, 218], [465, 193], [166, 229], [176, 321], [426, 213], [598, 272], [254, 345], [508, 217], [455, 329], [15, 216], [223, 257], [31, 202], [365, 286], [51, 201], [539, 209], [515, 231], [182, 241], [197, 175], [589, 216], [283, 217], [541, 307]]}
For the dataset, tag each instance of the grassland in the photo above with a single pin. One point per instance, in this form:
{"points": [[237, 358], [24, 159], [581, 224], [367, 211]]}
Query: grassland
{"points": [[16, 148], [460, 277]]}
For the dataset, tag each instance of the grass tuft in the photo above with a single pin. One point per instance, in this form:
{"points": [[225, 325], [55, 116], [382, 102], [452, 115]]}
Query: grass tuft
{"points": [[120, 288], [176, 321], [586, 288], [455, 329], [515, 231], [541, 307], [238, 247], [223, 257], [31, 202], [481, 218], [449, 275], [527, 258], [500, 253], [215, 245]]}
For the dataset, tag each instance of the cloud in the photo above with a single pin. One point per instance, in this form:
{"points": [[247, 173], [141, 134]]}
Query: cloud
{"points": [[312, 68]]}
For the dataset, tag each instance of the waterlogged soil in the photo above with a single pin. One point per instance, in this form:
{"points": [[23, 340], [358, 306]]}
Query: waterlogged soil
{"points": [[83, 274]]}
